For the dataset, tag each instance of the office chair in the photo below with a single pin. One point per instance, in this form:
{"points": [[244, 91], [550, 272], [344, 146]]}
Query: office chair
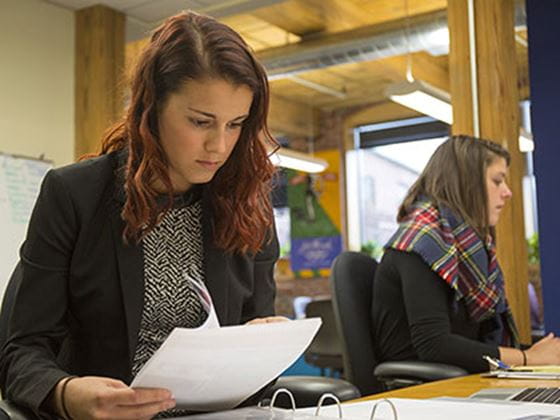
{"points": [[9, 410], [308, 389], [325, 351], [351, 282]]}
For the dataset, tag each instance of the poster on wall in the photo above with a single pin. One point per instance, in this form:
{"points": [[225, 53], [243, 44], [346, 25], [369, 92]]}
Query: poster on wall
{"points": [[314, 202]]}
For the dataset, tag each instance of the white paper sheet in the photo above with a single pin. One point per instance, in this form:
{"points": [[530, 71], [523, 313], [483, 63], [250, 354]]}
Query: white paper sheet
{"points": [[218, 368], [444, 409]]}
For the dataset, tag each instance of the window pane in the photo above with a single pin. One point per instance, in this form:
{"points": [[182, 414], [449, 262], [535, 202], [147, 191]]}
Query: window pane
{"points": [[383, 175]]}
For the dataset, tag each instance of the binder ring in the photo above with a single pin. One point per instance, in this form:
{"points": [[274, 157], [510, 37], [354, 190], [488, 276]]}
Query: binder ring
{"points": [[391, 404], [332, 397], [282, 391]]}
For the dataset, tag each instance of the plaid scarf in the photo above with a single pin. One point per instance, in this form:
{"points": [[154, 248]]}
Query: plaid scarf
{"points": [[455, 252]]}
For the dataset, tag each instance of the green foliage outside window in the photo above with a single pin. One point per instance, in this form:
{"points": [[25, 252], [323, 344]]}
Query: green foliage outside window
{"points": [[285, 250], [533, 249], [373, 249]]}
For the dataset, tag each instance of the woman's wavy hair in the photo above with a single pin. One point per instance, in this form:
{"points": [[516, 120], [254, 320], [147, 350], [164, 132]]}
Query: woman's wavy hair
{"points": [[187, 47], [455, 177]]}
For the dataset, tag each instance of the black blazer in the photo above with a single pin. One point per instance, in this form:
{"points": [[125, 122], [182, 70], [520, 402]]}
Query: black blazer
{"points": [[79, 302]]}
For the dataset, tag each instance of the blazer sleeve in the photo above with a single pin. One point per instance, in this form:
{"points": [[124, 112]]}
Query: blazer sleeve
{"points": [[261, 303], [37, 325], [427, 308]]}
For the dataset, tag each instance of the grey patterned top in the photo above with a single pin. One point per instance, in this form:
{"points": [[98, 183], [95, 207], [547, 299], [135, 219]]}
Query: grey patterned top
{"points": [[173, 248]]}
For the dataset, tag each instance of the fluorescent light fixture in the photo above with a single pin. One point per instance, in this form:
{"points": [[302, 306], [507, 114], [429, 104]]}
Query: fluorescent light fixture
{"points": [[526, 143], [422, 97], [287, 158], [438, 41]]}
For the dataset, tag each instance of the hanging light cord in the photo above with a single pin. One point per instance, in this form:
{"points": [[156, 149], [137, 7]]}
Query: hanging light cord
{"points": [[474, 71], [409, 76]]}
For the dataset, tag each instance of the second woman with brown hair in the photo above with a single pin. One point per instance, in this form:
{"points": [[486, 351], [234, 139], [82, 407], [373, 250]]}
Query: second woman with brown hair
{"points": [[180, 190], [438, 292]]}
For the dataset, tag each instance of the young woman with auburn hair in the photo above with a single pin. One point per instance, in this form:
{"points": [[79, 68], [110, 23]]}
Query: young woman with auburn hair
{"points": [[180, 189], [438, 292]]}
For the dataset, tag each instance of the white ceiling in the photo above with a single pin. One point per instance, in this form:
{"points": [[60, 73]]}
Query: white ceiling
{"points": [[144, 15], [150, 11]]}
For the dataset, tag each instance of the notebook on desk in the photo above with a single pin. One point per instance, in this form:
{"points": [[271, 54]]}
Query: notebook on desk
{"points": [[521, 374]]}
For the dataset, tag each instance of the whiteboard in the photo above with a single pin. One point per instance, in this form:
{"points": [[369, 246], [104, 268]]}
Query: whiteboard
{"points": [[20, 180]]}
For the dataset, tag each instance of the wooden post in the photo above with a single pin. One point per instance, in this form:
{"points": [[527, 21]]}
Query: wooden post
{"points": [[499, 121], [99, 67]]}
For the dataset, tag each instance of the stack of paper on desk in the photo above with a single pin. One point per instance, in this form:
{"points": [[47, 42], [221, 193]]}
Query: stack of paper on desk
{"points": [[218, 368], [526, 372], [543, 368]]}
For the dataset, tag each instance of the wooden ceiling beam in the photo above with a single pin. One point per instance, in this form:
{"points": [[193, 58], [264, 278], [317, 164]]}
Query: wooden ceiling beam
{"points": [[380, 112], [307, 17], [298, 18]]}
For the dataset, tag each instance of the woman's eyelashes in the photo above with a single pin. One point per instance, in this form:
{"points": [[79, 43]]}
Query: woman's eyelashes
{"points": [[499, 181], [236, 124], [208, 123], [199, 122]]}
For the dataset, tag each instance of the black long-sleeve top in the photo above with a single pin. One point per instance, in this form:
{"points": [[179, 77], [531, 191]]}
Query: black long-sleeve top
{"points": [[415, 317]]}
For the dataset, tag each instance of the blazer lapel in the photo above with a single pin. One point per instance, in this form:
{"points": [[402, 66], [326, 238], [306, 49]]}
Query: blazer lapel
{"points": [[130, 263], [215, 263]]}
